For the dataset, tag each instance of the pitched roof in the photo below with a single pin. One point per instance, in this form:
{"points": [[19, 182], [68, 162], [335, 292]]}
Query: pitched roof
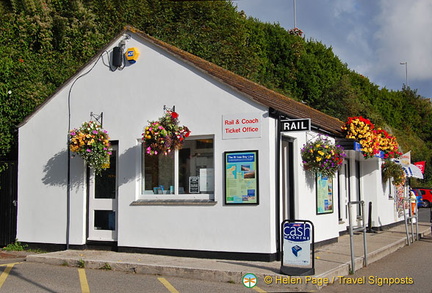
{"points": [[256, 92], [291, 108]]}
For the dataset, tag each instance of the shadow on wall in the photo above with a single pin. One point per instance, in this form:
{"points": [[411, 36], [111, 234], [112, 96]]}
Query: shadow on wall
{"points": [[310, 179], [55, 169], [130, 164]]}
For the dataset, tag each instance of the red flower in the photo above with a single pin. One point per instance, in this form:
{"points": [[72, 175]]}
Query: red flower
{"points": [[174, 115]]}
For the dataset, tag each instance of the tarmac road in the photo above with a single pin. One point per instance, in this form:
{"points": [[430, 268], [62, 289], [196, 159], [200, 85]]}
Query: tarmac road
{"points": [[37, 277], [408, 267]]}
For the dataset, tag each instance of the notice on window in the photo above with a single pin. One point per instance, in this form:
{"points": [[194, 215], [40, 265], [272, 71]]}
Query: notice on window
{"points": [[206, 179], [194, 184], [241, 177]]}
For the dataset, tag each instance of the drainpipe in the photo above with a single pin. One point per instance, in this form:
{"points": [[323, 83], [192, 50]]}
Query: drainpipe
{"points": [[273, 113], [68, 197]]}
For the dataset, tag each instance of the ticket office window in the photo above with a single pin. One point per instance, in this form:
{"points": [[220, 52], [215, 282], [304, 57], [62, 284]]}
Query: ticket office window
{"points": [[188, 171]]}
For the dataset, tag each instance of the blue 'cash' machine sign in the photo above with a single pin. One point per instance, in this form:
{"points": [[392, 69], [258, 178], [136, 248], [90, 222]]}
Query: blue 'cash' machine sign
{"points": [[297, 243]]}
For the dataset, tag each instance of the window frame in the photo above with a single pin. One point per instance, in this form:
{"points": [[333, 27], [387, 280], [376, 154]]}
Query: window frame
{"points": [[142, 195]]}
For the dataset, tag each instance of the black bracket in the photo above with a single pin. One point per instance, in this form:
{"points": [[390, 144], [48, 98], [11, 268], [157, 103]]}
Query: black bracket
{"points": [[97, 117]]}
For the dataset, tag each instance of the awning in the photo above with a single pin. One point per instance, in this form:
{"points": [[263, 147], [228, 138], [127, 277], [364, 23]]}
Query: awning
{"points": [[412, 170]]}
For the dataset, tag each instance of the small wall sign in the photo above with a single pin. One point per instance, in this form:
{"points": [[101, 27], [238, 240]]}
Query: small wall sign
{"points": [[295, 125], [246, 125]]}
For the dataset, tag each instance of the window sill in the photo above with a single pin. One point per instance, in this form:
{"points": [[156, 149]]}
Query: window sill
{"points": [[180, 202]]}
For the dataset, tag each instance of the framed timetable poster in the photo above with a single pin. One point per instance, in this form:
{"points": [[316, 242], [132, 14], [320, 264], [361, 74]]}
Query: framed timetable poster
{"points": [[324, 194], [241, 177]]}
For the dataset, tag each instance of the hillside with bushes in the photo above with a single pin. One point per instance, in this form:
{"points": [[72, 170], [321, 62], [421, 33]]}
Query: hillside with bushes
{"points": [[43, 43]]}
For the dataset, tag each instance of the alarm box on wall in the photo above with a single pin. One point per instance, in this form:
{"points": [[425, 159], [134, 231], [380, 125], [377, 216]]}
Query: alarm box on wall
{"points": [[132, 55]]}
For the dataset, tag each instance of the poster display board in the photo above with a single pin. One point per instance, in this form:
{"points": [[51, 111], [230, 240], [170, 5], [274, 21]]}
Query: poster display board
{"points": [[241, 177], [298, 248], [324, 198]]}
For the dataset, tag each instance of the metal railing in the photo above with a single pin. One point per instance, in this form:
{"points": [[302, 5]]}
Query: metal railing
{"points": [[411, 218], [360, 228]]}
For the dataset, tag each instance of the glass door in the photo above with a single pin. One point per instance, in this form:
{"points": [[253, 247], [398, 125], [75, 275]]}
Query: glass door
{"points": [[102, 222]]}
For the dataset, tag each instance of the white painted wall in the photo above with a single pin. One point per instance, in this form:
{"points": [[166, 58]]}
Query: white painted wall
{"points": [[129, 98], [383, 207], [42, 205], [326, 225]]}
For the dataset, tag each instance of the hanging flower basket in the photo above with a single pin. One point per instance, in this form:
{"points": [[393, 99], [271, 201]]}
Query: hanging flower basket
{"points": [[322, 156], [373, 140], [387, 144], [393, 170], [164, 135], [361, 129], [92, 144]]}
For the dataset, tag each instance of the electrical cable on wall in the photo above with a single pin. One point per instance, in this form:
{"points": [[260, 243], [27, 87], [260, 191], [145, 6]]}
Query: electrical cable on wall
{"points": [[68, 150], [122, 44]]}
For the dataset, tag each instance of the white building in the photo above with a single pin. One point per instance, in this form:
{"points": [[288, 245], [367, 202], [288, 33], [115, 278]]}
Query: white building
{"points": [[61, 203]]}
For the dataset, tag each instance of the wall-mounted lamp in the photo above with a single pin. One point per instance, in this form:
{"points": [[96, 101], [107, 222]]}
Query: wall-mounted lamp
{"points": [[117, 57]]}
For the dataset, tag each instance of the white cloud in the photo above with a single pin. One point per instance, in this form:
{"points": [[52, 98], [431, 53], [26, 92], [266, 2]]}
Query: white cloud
{"points": [[341, 7], [404, 35], [371, 36]]}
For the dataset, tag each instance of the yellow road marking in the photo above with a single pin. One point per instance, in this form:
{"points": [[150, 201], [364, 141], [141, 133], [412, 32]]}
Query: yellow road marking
{"points": [[258, 289], [7, 264], [5, 273], [168, 285], [83, 280]]}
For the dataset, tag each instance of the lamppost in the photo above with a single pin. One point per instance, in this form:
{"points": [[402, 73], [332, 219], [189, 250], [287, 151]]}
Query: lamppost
{"points": [[406, 72]]}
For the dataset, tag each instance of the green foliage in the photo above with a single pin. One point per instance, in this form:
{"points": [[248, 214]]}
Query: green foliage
{"points": [[16, 246], [81, 263], [39, 49], [106, 267], [42, 43]]}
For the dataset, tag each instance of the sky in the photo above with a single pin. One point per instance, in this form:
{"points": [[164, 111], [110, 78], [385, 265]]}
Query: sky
{"points": [[371, 36]]}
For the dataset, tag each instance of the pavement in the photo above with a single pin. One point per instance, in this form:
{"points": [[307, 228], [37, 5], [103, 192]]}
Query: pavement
{"points": [[331, 261]]}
